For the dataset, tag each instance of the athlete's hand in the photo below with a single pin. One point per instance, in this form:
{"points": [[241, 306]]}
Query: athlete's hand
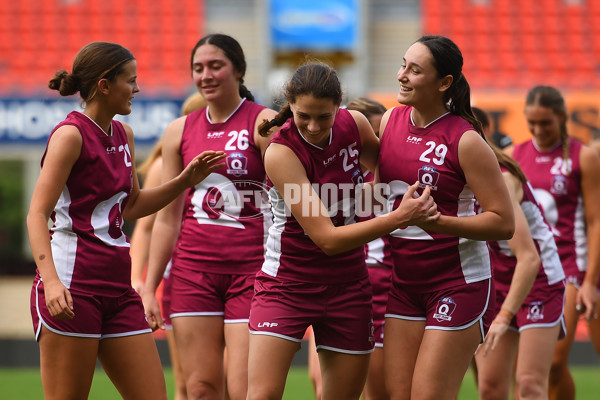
{"points": [[497, 329], [58, 300], [587, 300], [417, 209], [201, 166], [152, 311]]}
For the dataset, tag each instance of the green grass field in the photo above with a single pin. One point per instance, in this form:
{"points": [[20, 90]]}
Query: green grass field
{"points": [[25, 384]]}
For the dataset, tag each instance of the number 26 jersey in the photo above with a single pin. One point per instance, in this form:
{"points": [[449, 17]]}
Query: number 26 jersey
{"points": [[226, 216]]}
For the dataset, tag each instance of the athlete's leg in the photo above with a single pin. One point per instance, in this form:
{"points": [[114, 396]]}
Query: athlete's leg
{"points": [[443, 359], [236, 341], [561, 385], [269, 361], [200, 347], [375, 386], [535, 358], [343, 374], [133, 365], [495, 369], [401, 347], [67, 365], [314, 369], [594, 328], [180, 392]]}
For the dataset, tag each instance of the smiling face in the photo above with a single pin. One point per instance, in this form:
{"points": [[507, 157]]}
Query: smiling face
{"points": [[123, 88], [314, 118], [545, 125], [214, 74], [419, 81]]}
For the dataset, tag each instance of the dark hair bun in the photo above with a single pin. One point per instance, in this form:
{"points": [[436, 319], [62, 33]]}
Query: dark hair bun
{"points": [[66, 83]]}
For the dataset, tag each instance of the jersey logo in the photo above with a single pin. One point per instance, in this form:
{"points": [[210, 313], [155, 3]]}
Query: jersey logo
{"points": [[357, 177], [559, 185], [267, 324], [413, 139], [237, 164], [329, 160], [214, 135], [444, 310], [428, 176], [542, 159], [535, 311]]}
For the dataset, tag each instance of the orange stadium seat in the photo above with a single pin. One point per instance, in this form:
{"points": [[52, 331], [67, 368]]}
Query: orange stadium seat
{"points": [[38, 37], [508, 44]]}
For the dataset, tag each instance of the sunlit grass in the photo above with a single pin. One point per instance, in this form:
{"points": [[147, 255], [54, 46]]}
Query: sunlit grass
{"points": [[25, 384]]}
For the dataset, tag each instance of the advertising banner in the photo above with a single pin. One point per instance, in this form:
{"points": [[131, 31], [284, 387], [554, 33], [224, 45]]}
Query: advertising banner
{"points": [[30, 120], [323, 25]]}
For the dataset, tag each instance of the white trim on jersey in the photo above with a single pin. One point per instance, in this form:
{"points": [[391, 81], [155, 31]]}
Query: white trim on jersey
{"points": [[338, 350], [273, 246], [230, 115], [236, 321], [544, 238], [64, 240], [197, 314], [474, 254], [580, 236]]}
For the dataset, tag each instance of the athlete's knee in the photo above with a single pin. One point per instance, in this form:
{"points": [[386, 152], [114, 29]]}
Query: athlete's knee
{"points": [[202, 390], [532, 386], [263, 395], [491, 389]]}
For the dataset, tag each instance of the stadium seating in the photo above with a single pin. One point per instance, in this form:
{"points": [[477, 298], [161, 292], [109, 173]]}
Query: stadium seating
{"points": [[514, 45], [38, 37]]}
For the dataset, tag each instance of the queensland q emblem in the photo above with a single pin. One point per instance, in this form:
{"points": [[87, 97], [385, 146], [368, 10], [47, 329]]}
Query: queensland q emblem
{"points": [[444, 310], [559, 185], [535, 311], [236, 164], [428, 176]]}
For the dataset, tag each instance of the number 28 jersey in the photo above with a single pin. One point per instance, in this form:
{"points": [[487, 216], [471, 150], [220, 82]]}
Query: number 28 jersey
{"points": [[558, 189], [426, 260], [226, 216]]}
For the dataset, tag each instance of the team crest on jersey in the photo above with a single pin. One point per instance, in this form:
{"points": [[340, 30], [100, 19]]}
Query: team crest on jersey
{"points": [[444, 310], [559, 185], [358, 177], [535, 311], [428, 176], [111, 149], [237, 164]]}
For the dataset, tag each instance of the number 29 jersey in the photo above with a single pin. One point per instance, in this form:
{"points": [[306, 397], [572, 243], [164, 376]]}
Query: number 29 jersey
{"points": [[226, 216], [426, 260]]}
